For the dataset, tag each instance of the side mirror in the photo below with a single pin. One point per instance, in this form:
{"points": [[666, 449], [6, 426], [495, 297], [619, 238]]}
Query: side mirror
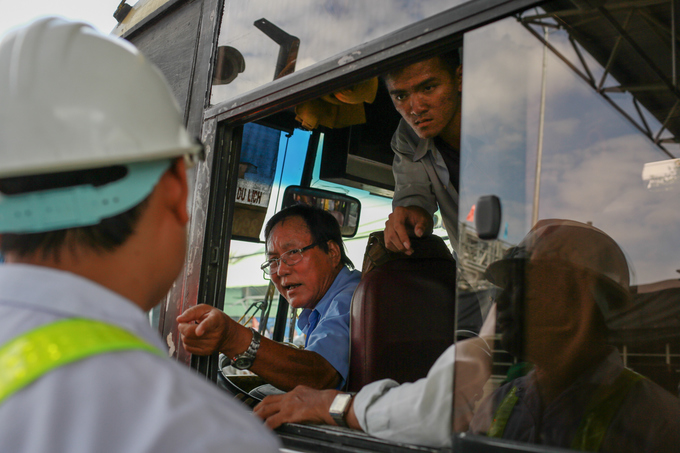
{"points": [[488, 217], [344, 208], [228, 65]]}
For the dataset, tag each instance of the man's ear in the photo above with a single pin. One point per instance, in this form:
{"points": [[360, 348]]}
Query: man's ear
{"points": [[459, 76], [177, 189], [334, 252]]}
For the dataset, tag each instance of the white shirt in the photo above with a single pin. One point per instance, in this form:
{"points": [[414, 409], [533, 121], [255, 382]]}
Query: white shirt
{"points": [[428, 411], [128, 401], [420, 412]]}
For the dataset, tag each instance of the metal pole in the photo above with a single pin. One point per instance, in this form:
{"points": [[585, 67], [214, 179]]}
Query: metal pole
{"points": [[541, 122], [674, 25]]}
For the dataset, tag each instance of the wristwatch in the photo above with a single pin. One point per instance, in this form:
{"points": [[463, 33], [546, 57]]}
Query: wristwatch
{"points": [[340, 407], [245, 360]]}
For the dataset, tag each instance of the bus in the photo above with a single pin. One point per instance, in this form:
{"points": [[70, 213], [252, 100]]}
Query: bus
{"points": [[569, 111]]}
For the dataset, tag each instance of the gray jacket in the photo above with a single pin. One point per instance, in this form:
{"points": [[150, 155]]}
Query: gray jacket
{"points": [[422, 178]]}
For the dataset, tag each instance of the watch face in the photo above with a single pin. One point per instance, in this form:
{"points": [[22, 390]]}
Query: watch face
{"points": [[339, 408], [242, 363], [340, 403]]}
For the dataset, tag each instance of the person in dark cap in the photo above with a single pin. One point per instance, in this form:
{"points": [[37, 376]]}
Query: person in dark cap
{"points": [[560, 286]]}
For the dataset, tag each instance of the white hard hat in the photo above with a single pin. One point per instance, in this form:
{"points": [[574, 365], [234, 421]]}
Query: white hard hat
{"points": [[576, 244], [72, 99]]}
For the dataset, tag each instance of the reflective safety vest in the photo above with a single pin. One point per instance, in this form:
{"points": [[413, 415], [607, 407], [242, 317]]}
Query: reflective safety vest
{"points": [[601, 409], [35, 353]]}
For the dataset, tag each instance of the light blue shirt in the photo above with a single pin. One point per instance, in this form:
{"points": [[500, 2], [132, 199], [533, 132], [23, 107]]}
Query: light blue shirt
{"points": [[129, 401], [327, 325]]}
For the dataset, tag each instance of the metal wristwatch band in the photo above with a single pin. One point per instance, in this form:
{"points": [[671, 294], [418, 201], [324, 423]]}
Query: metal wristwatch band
{"points": [[249, 355]]}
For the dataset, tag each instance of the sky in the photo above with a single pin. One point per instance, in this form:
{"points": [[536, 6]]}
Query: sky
{"points": [[592, 158], [324, 28], [500, 109], [98, 13]]}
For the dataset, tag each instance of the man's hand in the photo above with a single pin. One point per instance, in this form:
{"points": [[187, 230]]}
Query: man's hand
{"points": [[204, 329], [406, 221], [302, 404]]}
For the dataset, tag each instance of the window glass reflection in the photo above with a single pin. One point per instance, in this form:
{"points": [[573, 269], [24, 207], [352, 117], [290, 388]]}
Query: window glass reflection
{"points": [[572, 127], [260, 41]]}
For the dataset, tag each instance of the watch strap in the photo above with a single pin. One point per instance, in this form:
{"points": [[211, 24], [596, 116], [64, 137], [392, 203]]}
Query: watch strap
{"points": [[251, 352]]}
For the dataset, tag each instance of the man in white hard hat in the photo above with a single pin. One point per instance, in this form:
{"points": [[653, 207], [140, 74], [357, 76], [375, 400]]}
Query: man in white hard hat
{"points": [[93, 217]]}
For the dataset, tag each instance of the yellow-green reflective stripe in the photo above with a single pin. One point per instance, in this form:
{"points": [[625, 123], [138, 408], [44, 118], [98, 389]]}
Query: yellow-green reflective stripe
{"points": [[27, 357], [601, 410], [502, 414], [597, 417]]}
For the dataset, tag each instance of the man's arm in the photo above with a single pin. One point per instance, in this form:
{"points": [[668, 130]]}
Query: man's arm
{"points": [[414, 413], [419, 412], [414, 202], [206, 330], [303, 404]]}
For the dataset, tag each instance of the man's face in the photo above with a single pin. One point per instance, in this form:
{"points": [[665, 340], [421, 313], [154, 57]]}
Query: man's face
{"points": [[546, 314], [306, 282], [428, 97], [510, 320]]}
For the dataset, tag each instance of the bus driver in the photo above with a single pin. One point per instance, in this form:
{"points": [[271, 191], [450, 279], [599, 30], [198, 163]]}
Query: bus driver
{"points": [[307, 262]]}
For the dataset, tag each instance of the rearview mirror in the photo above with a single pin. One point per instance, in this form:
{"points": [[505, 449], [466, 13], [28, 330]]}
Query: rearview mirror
{"points": [[488, 217], [344, 208]]}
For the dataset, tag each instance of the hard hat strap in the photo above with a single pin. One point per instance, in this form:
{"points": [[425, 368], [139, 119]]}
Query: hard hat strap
{"points": [[79, 206]]}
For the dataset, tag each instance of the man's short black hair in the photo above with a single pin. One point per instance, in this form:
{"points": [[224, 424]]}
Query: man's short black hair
{"points": [[106, 236], [322, 226], [450, 60]]}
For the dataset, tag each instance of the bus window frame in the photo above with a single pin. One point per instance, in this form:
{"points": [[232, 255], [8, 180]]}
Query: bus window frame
{"points": [[407, 45], [410, 44]]}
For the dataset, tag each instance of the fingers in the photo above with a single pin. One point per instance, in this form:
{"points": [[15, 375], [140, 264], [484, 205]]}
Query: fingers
{"points": [[269, 411], [420, 219], [420, 227], [396, 233], [210, 321], [194, 313], [198, 350], [198, 320], [202, 329], [302, 404], [275, 420], [405, 222]]}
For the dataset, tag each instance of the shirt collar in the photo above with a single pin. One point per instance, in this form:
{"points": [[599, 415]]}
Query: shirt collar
{"points": [[322, 305], [424, 145], [67, 295]]}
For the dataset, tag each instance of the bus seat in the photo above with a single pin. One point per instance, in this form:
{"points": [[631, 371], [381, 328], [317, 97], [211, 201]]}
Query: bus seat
{"points": [[403, 312]]}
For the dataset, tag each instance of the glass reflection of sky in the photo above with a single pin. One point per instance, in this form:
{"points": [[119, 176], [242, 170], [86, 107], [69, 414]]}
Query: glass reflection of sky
{"points": [[592, 157], [325, 28]]}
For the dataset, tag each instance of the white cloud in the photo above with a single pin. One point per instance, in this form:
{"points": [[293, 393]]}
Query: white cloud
{"points": [[325, 28], [592, 157]]}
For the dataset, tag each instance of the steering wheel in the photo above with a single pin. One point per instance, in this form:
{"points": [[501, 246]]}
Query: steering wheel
{"points": [[246, 387]]}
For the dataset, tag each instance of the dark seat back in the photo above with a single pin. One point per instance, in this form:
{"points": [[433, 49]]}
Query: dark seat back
{"points": [[403, 312]]}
